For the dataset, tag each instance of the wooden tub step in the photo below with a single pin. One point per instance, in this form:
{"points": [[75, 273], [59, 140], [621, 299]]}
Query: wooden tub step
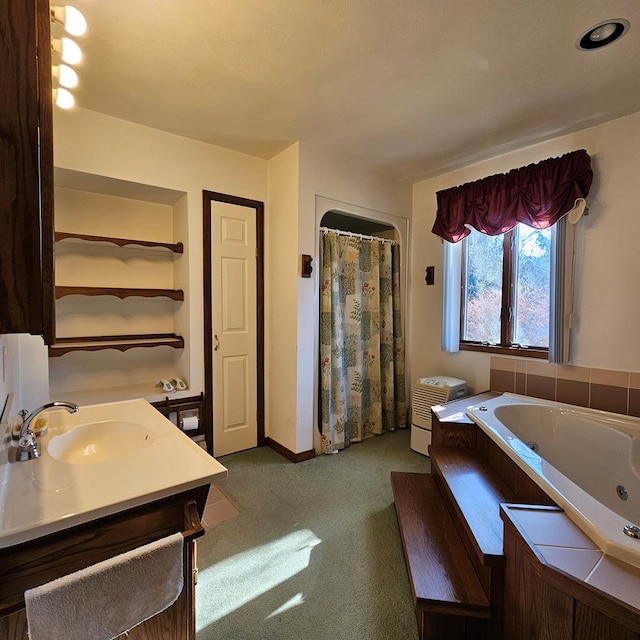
{"points": [[449, 599]]}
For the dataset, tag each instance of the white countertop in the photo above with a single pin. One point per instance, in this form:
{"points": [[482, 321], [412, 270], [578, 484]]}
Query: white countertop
{"points": [[49, 494]]}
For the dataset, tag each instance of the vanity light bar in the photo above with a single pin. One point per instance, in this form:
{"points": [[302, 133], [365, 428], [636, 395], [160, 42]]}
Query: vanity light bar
{"points": [[67, 51]]}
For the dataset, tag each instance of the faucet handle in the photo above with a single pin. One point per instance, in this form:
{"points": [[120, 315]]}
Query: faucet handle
{"points": [[23, 413]]}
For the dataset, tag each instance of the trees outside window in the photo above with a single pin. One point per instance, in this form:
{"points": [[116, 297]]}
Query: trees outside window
{"points": [[506, 289]]}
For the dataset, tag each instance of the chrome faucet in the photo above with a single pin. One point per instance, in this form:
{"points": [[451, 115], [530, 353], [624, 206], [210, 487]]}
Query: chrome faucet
{"points": [[28, 447]]}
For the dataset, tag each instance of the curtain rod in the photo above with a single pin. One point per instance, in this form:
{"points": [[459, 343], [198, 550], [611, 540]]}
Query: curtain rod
{"points": [[326, 230]]}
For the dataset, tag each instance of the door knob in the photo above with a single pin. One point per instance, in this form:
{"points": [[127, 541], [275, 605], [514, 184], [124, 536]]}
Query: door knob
{"points": [[217, 346]]}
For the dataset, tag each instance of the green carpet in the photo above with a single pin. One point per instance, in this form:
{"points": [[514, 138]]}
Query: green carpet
{"points": [[315, 552]]}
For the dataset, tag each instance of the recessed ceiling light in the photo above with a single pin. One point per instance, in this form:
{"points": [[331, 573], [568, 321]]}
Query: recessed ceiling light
{"points": [[603, 34]]}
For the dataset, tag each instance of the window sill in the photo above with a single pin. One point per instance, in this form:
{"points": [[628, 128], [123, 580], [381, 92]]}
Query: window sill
{"points": [[531, 352]]}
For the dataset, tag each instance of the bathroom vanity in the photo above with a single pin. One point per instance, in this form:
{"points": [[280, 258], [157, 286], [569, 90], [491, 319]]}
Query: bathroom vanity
{"points": [[33, 563], [110, 479]]}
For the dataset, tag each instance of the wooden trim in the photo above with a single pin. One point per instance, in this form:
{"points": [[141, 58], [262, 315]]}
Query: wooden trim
{"points": [[287, 453], [507, 310], [260, 319], [208, 320], [120, 292], [176, 247], [495, 349], [207, 198]]}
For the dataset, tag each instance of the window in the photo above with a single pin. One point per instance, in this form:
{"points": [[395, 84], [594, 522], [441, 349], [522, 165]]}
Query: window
{"points": [[535, 316], [505, 296], [506, 289]]}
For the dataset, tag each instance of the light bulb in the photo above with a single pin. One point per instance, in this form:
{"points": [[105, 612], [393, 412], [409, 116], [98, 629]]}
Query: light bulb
{"points": [[66, 76], [603, 32], [63, 98], [70, 18], [67, 49], [74, 23]]}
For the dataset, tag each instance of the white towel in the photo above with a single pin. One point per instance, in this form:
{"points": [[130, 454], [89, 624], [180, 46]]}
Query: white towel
{"points": [[108, 599]]}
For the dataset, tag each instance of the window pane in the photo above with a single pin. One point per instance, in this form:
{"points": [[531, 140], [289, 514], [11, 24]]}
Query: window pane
{"points": [[533, 287], [483, 288]]}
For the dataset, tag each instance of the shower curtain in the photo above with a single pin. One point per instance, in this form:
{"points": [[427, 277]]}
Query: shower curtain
{"points": [[361, 344]]}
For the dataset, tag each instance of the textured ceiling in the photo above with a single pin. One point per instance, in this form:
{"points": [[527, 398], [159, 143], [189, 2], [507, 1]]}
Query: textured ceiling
{"points": [[412, 88]]}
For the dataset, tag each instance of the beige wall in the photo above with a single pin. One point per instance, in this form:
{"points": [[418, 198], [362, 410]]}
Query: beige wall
{"points": [[288, 184], [324, 176], [297, 176], [291, 185], [606, 302], [281, 242], [93, 143]]}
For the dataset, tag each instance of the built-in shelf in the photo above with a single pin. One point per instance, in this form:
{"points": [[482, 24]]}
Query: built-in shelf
{"points": [[176, 247], [174, 294], [121, 343], [147, 390]]}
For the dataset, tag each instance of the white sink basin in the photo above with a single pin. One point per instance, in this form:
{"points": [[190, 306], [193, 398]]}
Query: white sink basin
{"points": [[101, 460], [100, 442]]}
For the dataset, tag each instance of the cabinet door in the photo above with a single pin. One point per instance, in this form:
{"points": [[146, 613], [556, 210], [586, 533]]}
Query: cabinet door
{"points": [[14, 626], [26, 169]]}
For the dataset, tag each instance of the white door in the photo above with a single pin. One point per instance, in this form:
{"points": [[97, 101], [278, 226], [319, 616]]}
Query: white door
{"points": [[233, 277]]}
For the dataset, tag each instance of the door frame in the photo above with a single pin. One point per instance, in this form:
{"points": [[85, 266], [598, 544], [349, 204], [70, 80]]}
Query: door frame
{"points": [[207, 198]]}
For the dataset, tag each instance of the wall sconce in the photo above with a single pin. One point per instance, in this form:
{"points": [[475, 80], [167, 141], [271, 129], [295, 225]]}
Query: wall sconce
{"points": [[306, 267], [430, 275], [70, 18]]}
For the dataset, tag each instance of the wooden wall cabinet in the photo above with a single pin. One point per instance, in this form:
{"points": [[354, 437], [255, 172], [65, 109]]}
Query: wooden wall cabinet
{"points": [[26, 169]]}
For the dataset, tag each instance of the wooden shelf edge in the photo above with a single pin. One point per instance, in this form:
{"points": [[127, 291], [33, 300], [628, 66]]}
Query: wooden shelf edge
{"points": [[119, 292], [121, 343], [175, 247]]}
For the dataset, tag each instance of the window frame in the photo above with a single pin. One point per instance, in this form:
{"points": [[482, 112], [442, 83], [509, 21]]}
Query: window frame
{"points": [[507, 311]]}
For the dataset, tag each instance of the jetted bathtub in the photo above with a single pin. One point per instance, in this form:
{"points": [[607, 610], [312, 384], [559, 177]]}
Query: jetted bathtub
{"points": [[587, 461]]}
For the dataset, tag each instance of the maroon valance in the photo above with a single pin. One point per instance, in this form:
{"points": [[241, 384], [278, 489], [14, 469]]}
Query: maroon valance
{"points": [[537, 195]]}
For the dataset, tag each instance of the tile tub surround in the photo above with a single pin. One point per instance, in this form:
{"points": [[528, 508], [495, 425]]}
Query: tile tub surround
{"points": [[608, 390]]}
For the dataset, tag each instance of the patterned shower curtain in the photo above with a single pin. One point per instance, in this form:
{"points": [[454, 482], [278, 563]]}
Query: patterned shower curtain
{"points": [[361, 343]]}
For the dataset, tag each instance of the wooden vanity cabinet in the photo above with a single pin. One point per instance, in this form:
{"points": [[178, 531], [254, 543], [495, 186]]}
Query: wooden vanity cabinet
{"points": [[39, 561], [26, 169]]}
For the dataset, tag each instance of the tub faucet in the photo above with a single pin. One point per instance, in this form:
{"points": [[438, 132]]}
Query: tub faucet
{"points": [[28, 447]]}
